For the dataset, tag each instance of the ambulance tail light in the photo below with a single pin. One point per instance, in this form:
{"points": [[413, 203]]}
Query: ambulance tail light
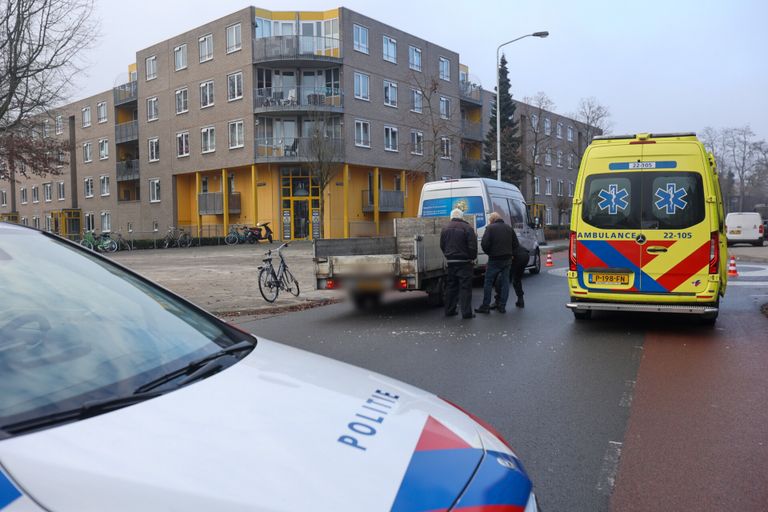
{"points": [[714, 253], [483, 424], [572, 252]]}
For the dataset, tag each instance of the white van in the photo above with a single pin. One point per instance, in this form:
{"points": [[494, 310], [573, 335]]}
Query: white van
{"points": [[744, 227], [480, 197]]}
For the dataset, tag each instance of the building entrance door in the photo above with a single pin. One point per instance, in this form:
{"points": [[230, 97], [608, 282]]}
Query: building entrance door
{"points": [[300, 200], [301, 220]]}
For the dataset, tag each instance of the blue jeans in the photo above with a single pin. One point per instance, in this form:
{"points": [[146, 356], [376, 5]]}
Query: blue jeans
{"points": [[496, 269]]}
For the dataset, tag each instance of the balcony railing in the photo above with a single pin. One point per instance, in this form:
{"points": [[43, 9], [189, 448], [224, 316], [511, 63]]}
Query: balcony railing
{"points": [[126, 132], [471, 131], [212, 203], [299, 148], [296, 47], [128, 170], [469, 91], [389, 201], [125, 93], [301, 98]]}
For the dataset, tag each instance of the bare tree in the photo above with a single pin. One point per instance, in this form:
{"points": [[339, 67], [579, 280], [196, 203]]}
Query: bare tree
{"points": [[39, 48], [740, 156], [714, 141], [595, 119], [758, 180], [537, 141], [323, 150]]}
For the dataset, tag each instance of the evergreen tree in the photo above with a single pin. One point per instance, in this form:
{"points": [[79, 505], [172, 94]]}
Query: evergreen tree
{"points": [[510, 139]]}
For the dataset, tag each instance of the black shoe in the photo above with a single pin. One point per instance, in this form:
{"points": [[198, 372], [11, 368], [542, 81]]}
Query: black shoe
{"points": [[451, 313], [493, 306], [501, 309], [520, 303], [467, 317], [483, 309]]}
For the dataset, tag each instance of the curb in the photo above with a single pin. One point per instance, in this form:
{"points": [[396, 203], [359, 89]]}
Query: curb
{"points": [[308, 304]]}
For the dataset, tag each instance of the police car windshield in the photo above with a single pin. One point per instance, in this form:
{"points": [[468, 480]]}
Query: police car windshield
{"points": [[643, 200], [74, 328]]}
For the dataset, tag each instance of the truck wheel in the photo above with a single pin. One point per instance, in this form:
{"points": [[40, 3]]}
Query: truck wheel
{"points": [[435, 299], [536, 263], [582, 315], [435, 292]]}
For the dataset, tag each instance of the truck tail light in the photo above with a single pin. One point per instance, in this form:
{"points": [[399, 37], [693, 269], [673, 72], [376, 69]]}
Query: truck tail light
{"points": [[331, 284], [761, 229], [402, 284], [572, 252], [714, 253], [483, 424]]}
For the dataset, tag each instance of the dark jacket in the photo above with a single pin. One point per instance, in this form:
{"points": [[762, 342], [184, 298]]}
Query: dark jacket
{"points": [[499, 241], [458, 241]]}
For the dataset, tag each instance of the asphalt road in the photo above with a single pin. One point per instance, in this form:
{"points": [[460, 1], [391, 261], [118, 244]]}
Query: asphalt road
{"points": [[562, 392]]}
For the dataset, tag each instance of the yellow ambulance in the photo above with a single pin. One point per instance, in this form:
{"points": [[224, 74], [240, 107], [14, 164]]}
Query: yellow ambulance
{"points": [[647, 228]]}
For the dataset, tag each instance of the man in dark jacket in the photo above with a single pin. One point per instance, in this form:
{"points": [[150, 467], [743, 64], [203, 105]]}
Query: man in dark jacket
{"points": [[500, 244], [458, 242]]}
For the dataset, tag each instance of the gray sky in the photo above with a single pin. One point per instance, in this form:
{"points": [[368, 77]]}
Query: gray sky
{"points": [[673, 65]]}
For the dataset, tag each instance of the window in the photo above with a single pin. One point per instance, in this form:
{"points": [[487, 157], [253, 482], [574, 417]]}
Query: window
{"points": [[208, 139], [106, 222], [390, 138], [182, 100], [414, 58], [547, 126], [570, 134], [417, 142], [548, 216], [206, 94], [104, 185], [23, 194], [204, 184], [559, 158], [362, 133], [103, 149], [361, 86], [59, 125], [445, 148], [445, 69], [360, 38], [48, 192], [87, 152], [389, 49], [62, 195], [46, 130], [235, 86], [417, 100], [390, 93], [570, 189], [151, 63], [205, 44], [36, 222], [535, 122], [101, 112], [559, 130], [86, 117], [548, 186], [182, 144], [90, 223], [35, 194], [570, 161], [536, 187], [445, 107], [548, 157], [88, 187], [236, 134], [560, 188], [154, 149], [152, 111], [3, 198], [180, 57], [154, 190], [234, 38], [60, 157]]}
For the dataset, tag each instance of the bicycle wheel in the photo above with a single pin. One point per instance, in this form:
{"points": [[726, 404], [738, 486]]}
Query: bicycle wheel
{"points": [[231, 239], [185, 240], [110, 246], [268, 285], [85, 243], [291, 284], [168, 241]]}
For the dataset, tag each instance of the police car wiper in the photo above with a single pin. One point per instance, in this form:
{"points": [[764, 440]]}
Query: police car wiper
{"points": [[192, 369], [88, 409]]}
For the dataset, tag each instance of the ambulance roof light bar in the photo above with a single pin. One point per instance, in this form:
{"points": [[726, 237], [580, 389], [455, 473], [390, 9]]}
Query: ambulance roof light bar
{"points": [[642, 136]]}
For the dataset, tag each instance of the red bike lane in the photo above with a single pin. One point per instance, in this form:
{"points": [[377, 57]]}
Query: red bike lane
{"points": [[697, 437]]}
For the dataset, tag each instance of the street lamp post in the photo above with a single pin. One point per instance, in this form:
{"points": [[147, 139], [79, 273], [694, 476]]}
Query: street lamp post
{"points": [[498, 103]]}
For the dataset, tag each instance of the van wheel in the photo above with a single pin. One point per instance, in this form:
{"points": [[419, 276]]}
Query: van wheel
{"points": [[711, 318], [582, 315], [536, 268]]}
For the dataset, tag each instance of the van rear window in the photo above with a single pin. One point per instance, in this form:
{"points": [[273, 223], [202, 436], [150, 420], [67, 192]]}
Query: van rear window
{"points": [[442, 206], [643, 200]]}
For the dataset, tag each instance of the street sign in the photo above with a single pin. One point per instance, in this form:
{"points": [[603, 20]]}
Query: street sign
{"points": [[494, 165]]}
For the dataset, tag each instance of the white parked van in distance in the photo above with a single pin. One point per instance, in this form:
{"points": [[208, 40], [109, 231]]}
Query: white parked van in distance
{"points": [[480, 197], [744, 227]]}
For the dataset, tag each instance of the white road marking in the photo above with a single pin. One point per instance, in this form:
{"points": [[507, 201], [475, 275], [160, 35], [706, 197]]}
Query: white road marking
{"points": [[761, 272], [559, 272], [629, 392], [610, 467], [732, 282]]}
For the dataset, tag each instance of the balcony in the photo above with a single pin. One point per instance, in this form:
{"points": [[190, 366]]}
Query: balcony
{"points": [[471, 92], [127, 170], [125, 93], [297, 48], [212, 203], [126, 132], [471, 168], [297, 98], [472, 131], [389, 201], [299, 149]]}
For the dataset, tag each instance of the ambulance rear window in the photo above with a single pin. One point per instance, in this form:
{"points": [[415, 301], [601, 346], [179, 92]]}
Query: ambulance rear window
{"points": [[610, 201]]}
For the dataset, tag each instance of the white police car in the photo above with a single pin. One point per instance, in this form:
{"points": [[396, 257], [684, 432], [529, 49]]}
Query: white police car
{"points": [[116, 395]]}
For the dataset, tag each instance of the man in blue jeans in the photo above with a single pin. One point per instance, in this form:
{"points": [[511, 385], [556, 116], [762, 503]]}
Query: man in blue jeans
{"points": [[499, 243]]}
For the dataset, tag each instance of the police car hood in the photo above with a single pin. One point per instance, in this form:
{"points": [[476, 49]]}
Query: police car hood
{"points": [[280, 430]]}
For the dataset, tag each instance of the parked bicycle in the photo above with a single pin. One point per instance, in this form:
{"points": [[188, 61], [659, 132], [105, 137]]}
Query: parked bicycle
{"points": [[101, 243], [122, 243], [177, 237], [236, 235], [271, 281]]}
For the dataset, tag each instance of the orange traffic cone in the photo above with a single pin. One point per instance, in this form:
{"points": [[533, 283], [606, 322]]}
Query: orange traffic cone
{"points": [[732, 272], [549, 259]]}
